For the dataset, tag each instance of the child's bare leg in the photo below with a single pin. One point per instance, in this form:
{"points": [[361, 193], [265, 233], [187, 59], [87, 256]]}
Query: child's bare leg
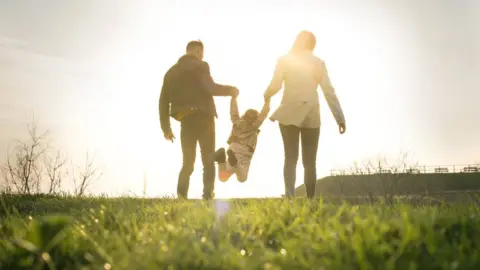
{"points": [[241, 176], [242, 168]]}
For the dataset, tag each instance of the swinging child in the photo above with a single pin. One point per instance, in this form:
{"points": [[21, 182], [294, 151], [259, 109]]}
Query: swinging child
{"points": [[242, 142]]}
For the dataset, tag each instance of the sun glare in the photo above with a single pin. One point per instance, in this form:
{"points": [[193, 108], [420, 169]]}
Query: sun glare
{"points": [[241, 53]]}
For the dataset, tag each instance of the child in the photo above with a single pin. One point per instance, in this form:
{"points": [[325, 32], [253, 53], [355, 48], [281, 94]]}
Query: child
{"points": [[242, 142]]}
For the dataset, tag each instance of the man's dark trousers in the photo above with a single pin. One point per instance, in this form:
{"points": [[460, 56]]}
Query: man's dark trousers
{"points": [[198, 127]]}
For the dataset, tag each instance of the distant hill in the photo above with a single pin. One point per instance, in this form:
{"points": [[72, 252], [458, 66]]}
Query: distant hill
{"points": [[401, 184]]}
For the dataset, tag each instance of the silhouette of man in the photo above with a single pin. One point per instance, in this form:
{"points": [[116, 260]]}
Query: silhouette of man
{"points": [[187, 96]]}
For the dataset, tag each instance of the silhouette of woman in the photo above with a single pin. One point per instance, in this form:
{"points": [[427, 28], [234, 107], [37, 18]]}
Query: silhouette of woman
{"points": [[301, 72]]}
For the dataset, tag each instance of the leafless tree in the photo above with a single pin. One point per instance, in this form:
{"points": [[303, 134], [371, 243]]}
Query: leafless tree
{"points": [[341, 183], [32, 165], [85, 176], [6, 185], [365, 187], [387, 178], [55, 171], [391, 175], [22, 171]]}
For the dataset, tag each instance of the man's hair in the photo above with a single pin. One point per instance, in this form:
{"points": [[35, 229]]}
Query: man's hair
{"points": [[195, 44]]}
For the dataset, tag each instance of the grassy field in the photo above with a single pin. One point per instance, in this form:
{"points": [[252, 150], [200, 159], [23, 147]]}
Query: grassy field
{"points": [[127, 233]]}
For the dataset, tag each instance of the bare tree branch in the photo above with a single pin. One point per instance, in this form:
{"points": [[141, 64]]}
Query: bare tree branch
{"points": [[55, 171], [386, 179], [22, 170], [86, 176]]}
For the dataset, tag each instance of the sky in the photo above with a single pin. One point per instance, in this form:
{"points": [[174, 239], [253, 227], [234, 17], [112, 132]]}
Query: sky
{"points": [[91, 72]]}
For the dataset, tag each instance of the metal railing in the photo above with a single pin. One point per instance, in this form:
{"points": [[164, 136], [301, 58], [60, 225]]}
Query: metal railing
{"points": [[470, 168]]}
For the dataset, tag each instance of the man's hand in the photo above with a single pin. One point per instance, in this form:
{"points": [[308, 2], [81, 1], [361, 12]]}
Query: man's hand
{"points": [[235, 92], [342, 128], [169, 136]]}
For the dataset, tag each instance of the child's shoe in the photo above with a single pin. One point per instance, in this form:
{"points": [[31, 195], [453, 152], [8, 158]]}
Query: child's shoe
{"points": [[232, 160], [219, 156]]}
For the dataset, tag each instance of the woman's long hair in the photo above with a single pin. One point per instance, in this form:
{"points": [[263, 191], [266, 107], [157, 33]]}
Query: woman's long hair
{"points": [[305, 41]]}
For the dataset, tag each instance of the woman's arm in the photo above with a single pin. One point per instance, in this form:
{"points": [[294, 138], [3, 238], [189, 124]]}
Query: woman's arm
{"points": [[330, 95], [277, 80], [263, 113]]}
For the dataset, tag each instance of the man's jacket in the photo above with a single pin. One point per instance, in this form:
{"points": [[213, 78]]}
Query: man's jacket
{"points": [[188, 86]]}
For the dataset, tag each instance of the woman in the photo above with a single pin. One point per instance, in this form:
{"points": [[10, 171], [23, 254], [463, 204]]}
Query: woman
{"points": [[299, 112]]}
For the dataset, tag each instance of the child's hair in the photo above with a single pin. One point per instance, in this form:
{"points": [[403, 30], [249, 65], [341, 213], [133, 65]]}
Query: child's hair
{"points": [[250, 114]]}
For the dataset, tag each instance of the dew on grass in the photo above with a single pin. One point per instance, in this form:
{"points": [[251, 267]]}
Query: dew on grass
{"points": [[46, 257], [88, 256], [171, 239], [170, 227]]}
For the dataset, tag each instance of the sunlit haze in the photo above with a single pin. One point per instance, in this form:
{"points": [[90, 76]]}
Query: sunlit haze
{"points": [[406, 74]]}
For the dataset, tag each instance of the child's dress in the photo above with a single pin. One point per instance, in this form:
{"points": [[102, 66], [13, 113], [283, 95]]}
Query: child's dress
{"points": [[242, 141]]}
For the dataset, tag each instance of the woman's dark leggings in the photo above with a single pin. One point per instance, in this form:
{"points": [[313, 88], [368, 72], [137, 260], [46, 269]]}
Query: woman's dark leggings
{"points": [[291, 136]]}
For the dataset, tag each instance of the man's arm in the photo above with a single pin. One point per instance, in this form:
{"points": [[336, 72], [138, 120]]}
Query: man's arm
{"points": [[214, 88], [277, 80], [164, 107], [263, 113], [330, 95]]}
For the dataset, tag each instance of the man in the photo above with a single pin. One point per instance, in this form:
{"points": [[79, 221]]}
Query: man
{"points": [[187, 96]]}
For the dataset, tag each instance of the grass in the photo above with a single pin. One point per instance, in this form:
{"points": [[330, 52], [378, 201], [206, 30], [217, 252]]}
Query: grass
{"points": [[39, 232]]}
